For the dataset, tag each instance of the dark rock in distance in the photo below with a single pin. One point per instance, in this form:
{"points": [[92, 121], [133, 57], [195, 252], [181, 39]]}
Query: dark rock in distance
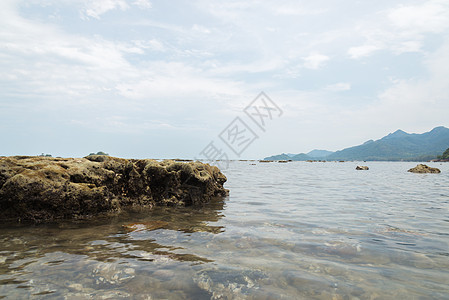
{"points": [[362, 168], [44, 189], [421, 168]]}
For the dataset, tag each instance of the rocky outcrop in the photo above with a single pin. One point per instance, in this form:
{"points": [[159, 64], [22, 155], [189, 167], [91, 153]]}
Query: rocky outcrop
{"points": [[362, 168], [424, 169], [44, 188]]}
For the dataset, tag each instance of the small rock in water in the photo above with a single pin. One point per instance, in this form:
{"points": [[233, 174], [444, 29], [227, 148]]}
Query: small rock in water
{"points": [[362, 168], [421, 168]]}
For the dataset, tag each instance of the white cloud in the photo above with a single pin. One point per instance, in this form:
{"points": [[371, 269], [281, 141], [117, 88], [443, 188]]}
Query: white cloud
{"points": [[121, 124], [296, 9], [431, 16], [429, 94], [255, 66], [401, 29], [362, 51], [339, 87], [95, 8], [152, 44], [176, 80], [145, 4], [315, 61], [200, 29], [407, 46], [416, 104]]}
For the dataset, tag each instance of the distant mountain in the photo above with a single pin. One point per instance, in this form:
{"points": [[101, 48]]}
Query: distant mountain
{"points": [[312, 155], [319, 153], [398, 145], [301, 157], [282, 156]]}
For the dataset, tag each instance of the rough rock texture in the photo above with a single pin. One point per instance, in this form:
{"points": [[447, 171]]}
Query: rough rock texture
{"points": [[424, 169], [43, 188], [362, 168]]}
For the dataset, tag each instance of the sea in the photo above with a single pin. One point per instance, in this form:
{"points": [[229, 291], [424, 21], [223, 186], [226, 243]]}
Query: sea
{"points": [[296, 230]]}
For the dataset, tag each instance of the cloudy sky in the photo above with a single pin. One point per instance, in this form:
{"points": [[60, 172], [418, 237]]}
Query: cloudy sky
{"points": [[158, 79]]}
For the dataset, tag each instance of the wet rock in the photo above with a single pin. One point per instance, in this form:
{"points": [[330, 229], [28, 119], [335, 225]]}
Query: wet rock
{"points": [[44, 188], [421, 168], [362, 168]]}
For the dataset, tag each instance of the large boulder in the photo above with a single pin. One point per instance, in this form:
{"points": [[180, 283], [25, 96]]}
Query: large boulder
{"points": [[424, 169], [45, 188]]}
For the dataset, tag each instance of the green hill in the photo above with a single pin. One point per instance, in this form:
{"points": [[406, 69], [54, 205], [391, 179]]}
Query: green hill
{"points": [[399, 145], [396, 146], [445, 155]]}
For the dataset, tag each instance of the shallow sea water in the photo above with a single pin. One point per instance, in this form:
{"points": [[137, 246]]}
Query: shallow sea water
{"points": [[287, 231]]}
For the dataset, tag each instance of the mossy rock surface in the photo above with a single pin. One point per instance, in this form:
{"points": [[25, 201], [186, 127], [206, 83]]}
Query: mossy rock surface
{"points": [[421, 168], [45, 188]]}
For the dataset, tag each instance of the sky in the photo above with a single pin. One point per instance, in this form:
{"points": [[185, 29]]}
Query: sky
{"points": [[181, 79]]}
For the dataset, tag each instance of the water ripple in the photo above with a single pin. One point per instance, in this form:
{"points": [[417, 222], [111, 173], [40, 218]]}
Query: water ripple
{"points": [[287, 231]]}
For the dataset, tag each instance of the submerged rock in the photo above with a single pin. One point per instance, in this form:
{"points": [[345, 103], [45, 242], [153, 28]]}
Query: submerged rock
{"points": [[229, 284], [362, 168], [424, 169], [44, 188], [145, 226]]}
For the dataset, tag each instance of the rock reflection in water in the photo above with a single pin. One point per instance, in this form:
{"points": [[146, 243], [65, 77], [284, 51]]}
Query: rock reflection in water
{"points": [[109, 258]]}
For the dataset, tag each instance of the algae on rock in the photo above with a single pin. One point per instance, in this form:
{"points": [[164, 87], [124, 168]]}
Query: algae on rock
{"points": [[421, 168], [44, 188]]}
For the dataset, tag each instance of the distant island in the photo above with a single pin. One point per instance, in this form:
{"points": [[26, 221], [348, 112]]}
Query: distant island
{"points": [[396, 146]]}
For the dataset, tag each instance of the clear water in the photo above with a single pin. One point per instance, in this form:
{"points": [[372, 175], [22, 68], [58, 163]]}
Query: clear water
{"points": [[287, 231]]}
